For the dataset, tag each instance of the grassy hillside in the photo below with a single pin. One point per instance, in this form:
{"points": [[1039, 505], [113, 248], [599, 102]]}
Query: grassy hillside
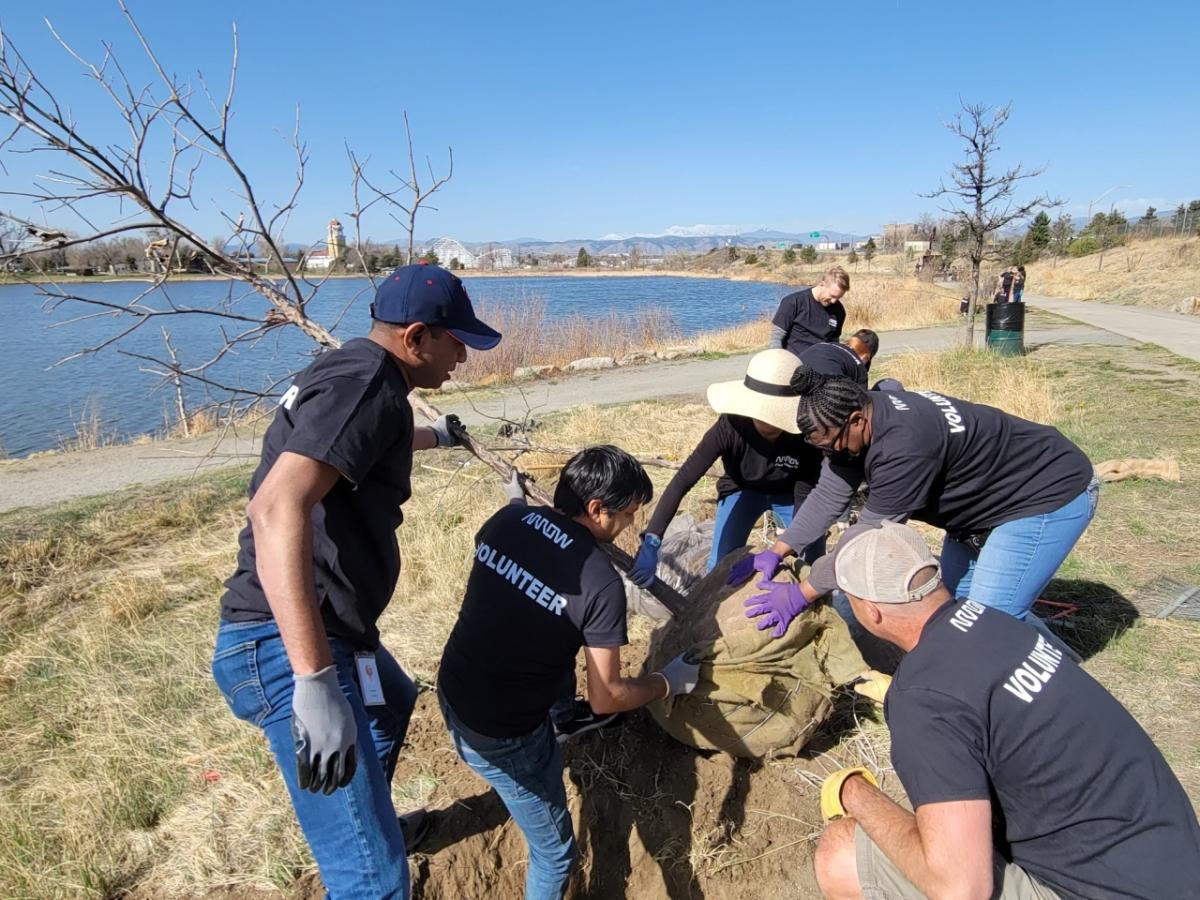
{"points": [[1160, 273], [124, 774]]}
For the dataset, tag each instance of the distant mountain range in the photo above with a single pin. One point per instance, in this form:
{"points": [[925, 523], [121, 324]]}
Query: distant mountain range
{"points": [[674, 240]]}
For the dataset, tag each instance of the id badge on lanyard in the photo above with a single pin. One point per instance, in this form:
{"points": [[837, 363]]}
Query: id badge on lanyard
{"points": [[368, 679]]}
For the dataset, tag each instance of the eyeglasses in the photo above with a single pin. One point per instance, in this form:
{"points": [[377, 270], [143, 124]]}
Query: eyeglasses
{"points": [[831, 444]]}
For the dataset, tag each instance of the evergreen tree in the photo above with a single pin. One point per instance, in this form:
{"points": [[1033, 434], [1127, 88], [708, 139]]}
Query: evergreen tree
{"points": [[789, 256], [1149, 217], [431, 257], [950, 244], [869, 249], [808, 255], [583, 259], [1038, 235]]}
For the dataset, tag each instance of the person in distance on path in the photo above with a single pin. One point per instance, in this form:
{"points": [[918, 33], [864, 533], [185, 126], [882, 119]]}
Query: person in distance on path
{"points": [[298, 652], [1012, 495], [540, 588], [1029, 781], [811, 315]]}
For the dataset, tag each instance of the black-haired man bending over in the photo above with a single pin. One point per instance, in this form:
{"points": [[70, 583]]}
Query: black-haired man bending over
{"points": [[540, 588]]}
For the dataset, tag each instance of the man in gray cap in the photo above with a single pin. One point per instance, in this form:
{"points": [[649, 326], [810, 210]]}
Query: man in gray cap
{"points": [[1028, 779]]}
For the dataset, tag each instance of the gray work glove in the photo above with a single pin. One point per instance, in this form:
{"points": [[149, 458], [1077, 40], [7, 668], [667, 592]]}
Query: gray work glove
{"points": [[514, 488], [446, 428], [681, 674], [324, 730]]}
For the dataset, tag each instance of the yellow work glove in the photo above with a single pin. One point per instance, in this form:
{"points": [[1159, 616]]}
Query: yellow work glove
{"points": [[831, 791], [873, 685]]}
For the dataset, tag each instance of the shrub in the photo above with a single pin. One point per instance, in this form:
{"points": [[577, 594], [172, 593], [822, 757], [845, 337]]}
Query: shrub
{"points": [[789, 256], [1083, 245]]}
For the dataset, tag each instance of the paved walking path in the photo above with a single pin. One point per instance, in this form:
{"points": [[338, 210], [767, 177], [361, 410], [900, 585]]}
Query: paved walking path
{"points": [[65, 476], [1178, 333]]}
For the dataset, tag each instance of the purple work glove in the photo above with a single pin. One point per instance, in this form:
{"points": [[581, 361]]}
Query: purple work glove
{"points": [[778, 607], [766, 562]]}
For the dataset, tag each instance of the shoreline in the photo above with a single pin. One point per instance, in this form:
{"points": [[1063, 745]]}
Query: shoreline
{"points": [[757, 276]]}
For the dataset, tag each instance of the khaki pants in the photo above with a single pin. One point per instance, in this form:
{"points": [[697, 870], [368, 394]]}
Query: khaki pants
{"points": [[881, 879]]}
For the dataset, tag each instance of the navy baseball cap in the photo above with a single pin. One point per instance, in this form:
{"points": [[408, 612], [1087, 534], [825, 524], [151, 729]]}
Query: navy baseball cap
{"points": [[430, 294]]}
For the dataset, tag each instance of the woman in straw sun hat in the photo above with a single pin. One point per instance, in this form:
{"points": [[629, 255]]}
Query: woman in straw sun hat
{"points": [[767, 464]]}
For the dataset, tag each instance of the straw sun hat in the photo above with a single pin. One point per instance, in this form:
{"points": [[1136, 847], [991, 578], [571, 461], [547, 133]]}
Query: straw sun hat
{"points": [[764, 394]]}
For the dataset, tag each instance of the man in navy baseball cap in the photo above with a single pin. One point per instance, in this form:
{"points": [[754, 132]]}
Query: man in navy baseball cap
{"points": [[429, 294], [318, 563]]}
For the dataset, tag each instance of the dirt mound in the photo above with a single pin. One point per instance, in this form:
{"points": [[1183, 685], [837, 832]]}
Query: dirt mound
{"points": [[653, 818]]}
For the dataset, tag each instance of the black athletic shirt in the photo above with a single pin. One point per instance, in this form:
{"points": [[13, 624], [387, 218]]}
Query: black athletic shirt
{"points": [[835, 359], [963, 466], [985, 708], [540, 588], [349, 409], [805, 321], [786, 465]]}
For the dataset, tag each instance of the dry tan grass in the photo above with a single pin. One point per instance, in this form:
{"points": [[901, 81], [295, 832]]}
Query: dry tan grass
{"points": [[875, 301], [89, 430], [1018, 385], [1160, 273], [535, 338], [878, 302], [122, 767]]}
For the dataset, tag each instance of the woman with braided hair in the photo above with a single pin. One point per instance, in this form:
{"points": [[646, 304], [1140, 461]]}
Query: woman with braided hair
{"points": [[1013, 496]]}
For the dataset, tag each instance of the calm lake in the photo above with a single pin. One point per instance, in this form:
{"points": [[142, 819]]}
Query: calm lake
{"points": [[41, 402]]}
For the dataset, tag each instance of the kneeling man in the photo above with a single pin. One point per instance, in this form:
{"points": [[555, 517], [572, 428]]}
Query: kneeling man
{"points": [[540, 588], [1029, 780]]}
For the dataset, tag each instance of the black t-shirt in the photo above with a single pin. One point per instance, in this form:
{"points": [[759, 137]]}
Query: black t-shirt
{"points": [[835, 359], [540, 588], [985, 708], [963, 466], [805, 321], [786, 465], [1006, 281], [349, 409]]}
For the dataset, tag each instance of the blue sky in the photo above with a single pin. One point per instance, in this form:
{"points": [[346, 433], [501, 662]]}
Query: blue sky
{"points": [[578, 120]]}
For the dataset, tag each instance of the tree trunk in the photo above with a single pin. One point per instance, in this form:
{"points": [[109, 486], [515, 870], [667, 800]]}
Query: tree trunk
{"points": [[663, 593]]}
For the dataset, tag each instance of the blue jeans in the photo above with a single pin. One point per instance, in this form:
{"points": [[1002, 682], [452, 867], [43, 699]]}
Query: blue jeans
{"points": [[353, 832], [736, 515], [1018, 558], [527, 773]]}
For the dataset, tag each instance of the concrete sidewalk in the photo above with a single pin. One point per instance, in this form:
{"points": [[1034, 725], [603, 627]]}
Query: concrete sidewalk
{"points": [[66, 476], [1176, 332]]}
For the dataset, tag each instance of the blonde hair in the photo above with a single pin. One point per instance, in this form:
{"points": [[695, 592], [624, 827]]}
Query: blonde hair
{"points": [[840, 276]]}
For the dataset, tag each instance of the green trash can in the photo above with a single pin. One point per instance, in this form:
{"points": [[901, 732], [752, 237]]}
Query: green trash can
{"points": [[1006, 328]]}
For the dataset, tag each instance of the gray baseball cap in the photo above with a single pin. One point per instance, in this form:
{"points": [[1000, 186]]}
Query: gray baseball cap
{"points": [[878, 564]]}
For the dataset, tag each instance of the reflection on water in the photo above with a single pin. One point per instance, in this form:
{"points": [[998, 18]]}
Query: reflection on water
{"points": [[39, 403]]}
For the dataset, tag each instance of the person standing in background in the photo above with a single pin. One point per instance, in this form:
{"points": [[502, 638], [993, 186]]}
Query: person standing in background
{"points": [[811, 315]]}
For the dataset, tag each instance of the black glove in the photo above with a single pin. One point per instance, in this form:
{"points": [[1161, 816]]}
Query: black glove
{"points": [[324, 730]]}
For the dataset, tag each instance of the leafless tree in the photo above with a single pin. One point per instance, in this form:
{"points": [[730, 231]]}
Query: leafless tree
{"points": [[158, 202], [980, 197], [407, 196]]}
